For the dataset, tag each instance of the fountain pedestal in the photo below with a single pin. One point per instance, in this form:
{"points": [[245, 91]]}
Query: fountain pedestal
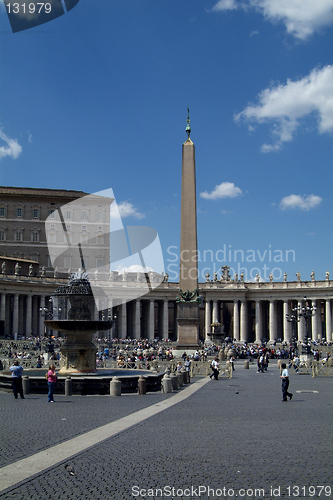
{"points": [[78, 352], [74, 303]]}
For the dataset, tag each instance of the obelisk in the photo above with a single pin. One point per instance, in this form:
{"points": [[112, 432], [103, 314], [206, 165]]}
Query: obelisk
{"points": [[188, 300]]}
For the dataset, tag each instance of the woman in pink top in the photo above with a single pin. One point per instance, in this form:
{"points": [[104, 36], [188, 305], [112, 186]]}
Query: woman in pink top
{"points": [[51, 382]]}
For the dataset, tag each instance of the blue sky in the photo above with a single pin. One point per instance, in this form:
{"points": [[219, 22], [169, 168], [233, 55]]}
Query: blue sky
{"points": [[98, 99]]}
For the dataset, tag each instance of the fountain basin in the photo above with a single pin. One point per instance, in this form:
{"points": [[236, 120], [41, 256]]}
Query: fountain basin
{"points": [[97, 383]]}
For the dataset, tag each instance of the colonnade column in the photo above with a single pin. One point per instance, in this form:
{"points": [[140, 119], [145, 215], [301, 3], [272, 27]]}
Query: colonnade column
{"points": [[215, 312], [272, 321], [151, 320], [287, 334], [301, 324], [123, 321], [314, 323], [258, 325], [96, 309], [165, 330], [3, 307], [328, 314], [236, 321], [28, 323], [243, 321], [137, 319], [208, 320], [317, 318], [15, 315], [41, 316]]}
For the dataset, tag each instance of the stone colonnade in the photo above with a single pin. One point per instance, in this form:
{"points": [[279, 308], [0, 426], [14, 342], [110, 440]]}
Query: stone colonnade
{"points": [[244, 311], [257, 320]]}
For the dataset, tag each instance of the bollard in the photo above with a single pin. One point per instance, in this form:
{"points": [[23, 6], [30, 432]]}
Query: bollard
{"points": [[221, 355], [115, 387], [166, 383], [174, 381], [180, 379], [188, 378], [185, 377], [246, 364], [26, 385], [68, 386], [142, 385]]}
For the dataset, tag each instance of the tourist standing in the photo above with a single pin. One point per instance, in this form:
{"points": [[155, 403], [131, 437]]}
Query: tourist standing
{"points": [[187, 366], [51, 382], [285, 383], [17, 370]]}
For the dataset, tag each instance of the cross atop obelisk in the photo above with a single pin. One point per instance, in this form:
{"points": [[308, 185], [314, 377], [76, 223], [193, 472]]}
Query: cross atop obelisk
{"points": [[188, 307]]}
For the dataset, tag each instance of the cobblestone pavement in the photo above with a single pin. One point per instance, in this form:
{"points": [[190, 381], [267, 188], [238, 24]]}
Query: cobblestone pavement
{"points": [[234, 436]]}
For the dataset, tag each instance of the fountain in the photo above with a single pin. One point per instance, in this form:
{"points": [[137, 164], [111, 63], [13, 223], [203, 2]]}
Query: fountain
{"points": [[73, 302], [72, 307]]}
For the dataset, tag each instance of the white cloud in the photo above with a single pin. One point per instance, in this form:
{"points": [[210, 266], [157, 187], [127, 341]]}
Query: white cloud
{"points": [[300, 17], [135, 268], [125, 209], [298, 201], [223, 190], [286, 104], [12, 149], [226, 5]]}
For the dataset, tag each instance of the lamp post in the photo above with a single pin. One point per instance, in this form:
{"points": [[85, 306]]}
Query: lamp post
{"points": [[47, 313], [297, 313]]}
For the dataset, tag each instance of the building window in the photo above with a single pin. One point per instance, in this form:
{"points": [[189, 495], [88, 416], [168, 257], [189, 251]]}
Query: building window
{"points": [[18, 236], [68, 214], [84, 215], [19, 212], [51, 238], [3, 211], [34, 256], [2, 235], [35, 213], [99, 262], [34, 236], [51, 213], [67, 262], [100, 216]]}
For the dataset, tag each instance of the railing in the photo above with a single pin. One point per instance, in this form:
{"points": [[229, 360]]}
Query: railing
{"points": [[324, 367], [314, 368], [198, 368]]}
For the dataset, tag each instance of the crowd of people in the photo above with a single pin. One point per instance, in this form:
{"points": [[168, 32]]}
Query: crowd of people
{"points": [[146, 350]]}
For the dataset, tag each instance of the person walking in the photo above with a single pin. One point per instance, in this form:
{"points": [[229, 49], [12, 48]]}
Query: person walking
{"points": [[51, 382], [285, 383], [17, 370], [215, 369]]}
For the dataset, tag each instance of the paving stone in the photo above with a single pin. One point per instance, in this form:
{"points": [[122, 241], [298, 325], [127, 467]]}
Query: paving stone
{"points": [[234, 434]]}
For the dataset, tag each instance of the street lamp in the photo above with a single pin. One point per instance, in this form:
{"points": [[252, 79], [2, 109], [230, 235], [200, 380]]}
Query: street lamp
{"points": [[299, 312], [47, 313]]}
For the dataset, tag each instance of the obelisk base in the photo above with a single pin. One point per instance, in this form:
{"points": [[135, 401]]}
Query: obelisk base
{"points": [[188, 326]]}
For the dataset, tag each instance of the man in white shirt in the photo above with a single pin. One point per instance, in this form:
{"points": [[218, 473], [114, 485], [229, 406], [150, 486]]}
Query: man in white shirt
{"points": [[285, 383]]}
